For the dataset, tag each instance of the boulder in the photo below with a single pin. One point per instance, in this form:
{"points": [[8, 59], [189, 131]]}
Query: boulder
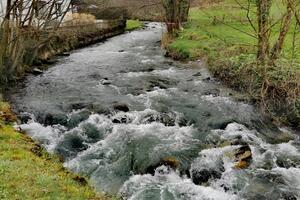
{"points": [[243, 156], [36, 71], [105, 82]]}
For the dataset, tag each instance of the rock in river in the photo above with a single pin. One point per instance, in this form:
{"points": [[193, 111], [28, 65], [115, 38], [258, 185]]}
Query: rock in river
{"points": [[243, 157], [121, 107]]}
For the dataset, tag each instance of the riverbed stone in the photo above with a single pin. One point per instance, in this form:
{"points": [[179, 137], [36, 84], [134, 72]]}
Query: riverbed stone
{"points": [[214, 92], [106, 82], [54, 118], [243, 157], [120, 120], [202, 176], [197, 74], [121, 107], [36, 71], [170, 162]]}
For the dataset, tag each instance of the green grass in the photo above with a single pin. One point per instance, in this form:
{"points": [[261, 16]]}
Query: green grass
{"points": [[203, 35], [28, 172], [221, 34], [133, 24]]}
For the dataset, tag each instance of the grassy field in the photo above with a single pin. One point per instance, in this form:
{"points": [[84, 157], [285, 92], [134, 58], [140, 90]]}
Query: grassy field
{"points": [[221, 34], [28, 172], [133, 24], [224, 27]]}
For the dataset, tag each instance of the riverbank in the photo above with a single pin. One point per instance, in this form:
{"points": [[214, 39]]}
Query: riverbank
{"points": [[133, 24], [42, 46], [35, 173], [73, 37], [224, 41], [29, 172]]}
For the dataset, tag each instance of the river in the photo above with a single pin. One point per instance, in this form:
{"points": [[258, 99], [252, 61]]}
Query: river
{"points": [[144, 127]]}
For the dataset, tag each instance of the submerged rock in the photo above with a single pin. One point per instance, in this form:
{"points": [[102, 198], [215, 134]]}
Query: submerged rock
{"points": [[209, 165], [214, 92], [71, 145], [121, 120], [75, 118], [170, 162], [121, 107], [105, 82], [197, 74], [202, 176], [53, 118]]}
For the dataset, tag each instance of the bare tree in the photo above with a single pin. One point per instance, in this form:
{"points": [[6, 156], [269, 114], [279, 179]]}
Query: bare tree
{"points": [[23, 21], [277, 48]]}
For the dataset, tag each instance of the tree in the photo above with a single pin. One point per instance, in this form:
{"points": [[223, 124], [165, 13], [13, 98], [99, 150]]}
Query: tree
{"points": [[265, 55], [263, 19], [22, 22], [176, 12]]}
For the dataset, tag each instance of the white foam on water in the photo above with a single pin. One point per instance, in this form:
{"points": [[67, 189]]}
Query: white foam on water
{"points": [[116, 88], [292, 176], [48, 136], [222, 102], [135, 74], [147, 143], [165, 72], [166, 184], [147, 61], [264, 161], [146, 98]]}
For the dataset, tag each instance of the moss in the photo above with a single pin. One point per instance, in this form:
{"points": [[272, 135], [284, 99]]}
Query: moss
{"points": [[28, 172], [133, 24]]}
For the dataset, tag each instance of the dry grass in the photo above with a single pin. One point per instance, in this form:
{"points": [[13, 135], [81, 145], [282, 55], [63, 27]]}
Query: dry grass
{"points": [[79, 19]]}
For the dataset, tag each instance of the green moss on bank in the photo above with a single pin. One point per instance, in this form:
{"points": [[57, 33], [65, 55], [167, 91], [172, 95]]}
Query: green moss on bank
{"points": [[221, 34], [133, 24], [28, 172]]}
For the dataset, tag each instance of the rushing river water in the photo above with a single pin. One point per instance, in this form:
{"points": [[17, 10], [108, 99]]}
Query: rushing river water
{"points": [[147, 128]]}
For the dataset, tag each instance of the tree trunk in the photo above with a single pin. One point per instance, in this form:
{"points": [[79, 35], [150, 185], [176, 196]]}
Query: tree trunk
{"points": [[8, 9], [277, 48], [263, 12], [176, 12]]}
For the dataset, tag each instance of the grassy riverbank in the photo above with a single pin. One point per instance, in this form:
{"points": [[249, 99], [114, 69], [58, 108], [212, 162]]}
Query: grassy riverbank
{"points": [[221, 35], [133, 24], [28, 172]]}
